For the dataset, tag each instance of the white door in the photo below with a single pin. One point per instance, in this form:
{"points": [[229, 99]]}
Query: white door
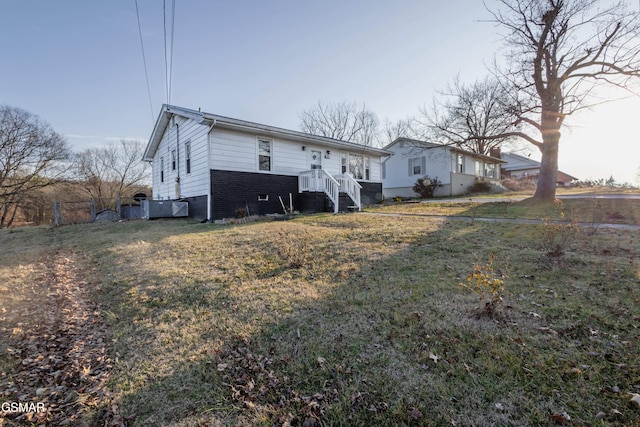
{"points": [[316, 159]]}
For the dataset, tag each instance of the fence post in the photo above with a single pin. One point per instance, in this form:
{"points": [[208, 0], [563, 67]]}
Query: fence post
{"points": [[56, 213], [92, 207], [119, 206]]}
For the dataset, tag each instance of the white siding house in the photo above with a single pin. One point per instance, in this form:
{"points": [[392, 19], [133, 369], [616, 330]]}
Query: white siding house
{"points": [[457, 169], [226, 167]]}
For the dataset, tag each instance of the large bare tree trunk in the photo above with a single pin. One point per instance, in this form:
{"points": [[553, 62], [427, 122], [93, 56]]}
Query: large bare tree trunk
{"points": [[546, 188], [551, 121]]}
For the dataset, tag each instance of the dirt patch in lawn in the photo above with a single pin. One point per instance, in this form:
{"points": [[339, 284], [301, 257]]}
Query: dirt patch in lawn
{"points": [[56, 339]]}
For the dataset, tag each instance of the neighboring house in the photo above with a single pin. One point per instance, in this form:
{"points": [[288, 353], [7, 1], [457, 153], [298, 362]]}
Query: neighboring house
{"points": [[457, 169], [521, 167], [225, 167]]}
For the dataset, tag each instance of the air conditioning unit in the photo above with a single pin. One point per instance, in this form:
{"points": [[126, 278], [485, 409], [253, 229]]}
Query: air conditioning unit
{"points": [[164, 209]]}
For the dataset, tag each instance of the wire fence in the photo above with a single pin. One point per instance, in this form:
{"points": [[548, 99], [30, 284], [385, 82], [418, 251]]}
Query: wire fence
{"points": [[87, 211]]}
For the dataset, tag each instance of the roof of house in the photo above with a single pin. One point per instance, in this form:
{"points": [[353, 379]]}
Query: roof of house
{"points": [[430, 145], [215, 120], [516, 162]]}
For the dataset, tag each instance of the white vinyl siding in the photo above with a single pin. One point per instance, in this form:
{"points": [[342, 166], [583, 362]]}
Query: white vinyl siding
{"points": [[191, 184], [233, 150]]}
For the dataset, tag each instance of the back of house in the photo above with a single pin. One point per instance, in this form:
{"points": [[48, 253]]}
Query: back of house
{"points": [[224, 167]]}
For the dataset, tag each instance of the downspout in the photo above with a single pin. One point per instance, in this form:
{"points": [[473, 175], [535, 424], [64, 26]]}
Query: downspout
{"points": [[178, 160]]}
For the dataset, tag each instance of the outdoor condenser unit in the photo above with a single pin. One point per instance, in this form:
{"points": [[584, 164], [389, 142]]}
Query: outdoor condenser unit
{"points": [[164, 209]]}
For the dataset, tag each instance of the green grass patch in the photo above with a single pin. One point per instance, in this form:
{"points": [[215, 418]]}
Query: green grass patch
{"points": [[355, 320]]}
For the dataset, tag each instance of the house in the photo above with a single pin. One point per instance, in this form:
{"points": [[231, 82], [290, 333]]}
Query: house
{"points": [[457, 169], [225, 167], [521, 167]]}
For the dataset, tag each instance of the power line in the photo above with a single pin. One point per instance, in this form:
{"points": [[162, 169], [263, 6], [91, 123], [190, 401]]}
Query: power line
{"points": [[166, 65], [144, 61], [168, 62], [173, 19]]}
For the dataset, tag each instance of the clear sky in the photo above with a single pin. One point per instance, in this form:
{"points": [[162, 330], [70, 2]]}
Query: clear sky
{"points": [[78, 65]]}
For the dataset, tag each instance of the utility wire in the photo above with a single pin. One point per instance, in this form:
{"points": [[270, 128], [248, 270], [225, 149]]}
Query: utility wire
{"points": [[173, 19], [166, 64], [144, 61], [168, 53]]}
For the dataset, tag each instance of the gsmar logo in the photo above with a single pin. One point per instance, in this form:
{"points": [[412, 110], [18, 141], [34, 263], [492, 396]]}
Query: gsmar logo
{"points": [[15, 407]]}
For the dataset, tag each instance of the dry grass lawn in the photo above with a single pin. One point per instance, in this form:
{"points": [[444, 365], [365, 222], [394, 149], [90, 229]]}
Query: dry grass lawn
{"points": [[345, 319]]}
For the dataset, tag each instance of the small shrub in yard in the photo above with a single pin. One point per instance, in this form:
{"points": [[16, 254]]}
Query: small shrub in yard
{"points": [[487, 284], [427, 186], [480, 185], [558, 235]]}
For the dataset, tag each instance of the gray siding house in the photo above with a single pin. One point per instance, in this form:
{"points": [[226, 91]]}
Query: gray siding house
{"points": [[225, 167], [457, 169]]}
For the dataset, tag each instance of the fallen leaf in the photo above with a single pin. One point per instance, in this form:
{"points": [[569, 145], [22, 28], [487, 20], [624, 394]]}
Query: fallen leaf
{"points": [[416, 414], [433, 357], [561, 417], [635, 398]]}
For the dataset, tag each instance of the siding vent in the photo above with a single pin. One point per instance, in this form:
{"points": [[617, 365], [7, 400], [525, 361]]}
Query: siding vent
{"points": [[263, 197]]}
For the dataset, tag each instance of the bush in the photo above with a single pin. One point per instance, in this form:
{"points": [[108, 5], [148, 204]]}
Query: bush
{"points": [[557, 236], [488, 284], [426, 186], [519, 184], [480, 186]]}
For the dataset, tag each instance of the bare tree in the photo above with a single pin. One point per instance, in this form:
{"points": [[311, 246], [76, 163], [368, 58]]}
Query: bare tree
{"points": [[559, 52], [111, 171], [344, 120], [31, 156], [402, 128], [468, 115]]}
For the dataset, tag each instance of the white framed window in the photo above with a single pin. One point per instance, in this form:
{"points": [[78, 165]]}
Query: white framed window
{"points": [[417, 166], [478, 167], [357, 165], [173, 160], [367, 169], [264, 154], [161, 169], [460, 165], [490, 170], [187, 156]]}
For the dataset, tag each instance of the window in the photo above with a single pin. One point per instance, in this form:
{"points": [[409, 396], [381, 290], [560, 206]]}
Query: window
{"points": [[384, 170], [161, 169], [187, 156], [478, 167], [173, 160], [460, 167], [264, 154], [490, 170], [356, 166], [367, 173], [417, 166]]}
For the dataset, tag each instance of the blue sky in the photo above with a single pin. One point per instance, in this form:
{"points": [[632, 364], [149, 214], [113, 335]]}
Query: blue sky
{"points": [[78, 65]]}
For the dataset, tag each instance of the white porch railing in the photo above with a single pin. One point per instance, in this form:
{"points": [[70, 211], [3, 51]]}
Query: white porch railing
{"points": [[349, 185], [320, 180]]}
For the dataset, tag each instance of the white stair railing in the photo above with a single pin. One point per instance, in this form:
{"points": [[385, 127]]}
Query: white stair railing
{"points": [[319, 180], [349, 185]]}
